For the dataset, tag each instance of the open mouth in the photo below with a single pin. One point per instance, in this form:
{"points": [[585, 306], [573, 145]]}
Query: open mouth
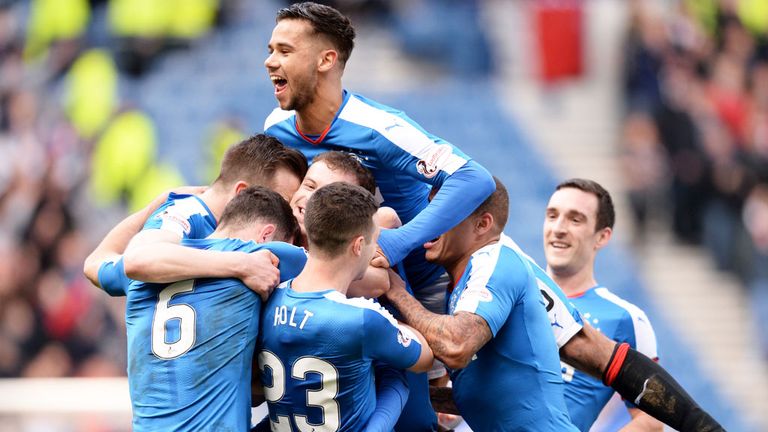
{"points": [[431, 243], [559, 245], [279, 82]]}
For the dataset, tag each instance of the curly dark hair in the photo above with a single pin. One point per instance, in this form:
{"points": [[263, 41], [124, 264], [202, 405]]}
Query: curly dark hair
{"points": [[325, 21]]}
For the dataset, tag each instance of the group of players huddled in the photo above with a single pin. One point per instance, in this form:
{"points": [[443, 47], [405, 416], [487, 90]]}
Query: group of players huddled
{"points": [[465, 324]]}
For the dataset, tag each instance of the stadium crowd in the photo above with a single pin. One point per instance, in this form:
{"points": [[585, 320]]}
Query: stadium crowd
{"points": [[64, 129], [58, 103], [694, 143]]}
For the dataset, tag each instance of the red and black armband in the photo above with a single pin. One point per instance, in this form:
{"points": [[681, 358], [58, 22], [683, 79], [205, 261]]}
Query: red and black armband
{"points": [[645, 383]]}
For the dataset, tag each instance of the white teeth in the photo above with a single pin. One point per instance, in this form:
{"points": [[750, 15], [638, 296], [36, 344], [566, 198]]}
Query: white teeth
{"points": [[559, 245]]}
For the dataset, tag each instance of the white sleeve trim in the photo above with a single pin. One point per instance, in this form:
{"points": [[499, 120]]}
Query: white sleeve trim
{"points": [[484, 263], [405, 136], [362, 303], [175, 217], [276, 116], [645, 337]]}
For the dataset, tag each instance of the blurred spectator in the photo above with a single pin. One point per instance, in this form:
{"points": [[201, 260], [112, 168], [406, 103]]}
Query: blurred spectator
{"points": [[91, 93], [225, 133], [145, 28], [55, 31], [709, 62], [121, 156], [643, 161]]}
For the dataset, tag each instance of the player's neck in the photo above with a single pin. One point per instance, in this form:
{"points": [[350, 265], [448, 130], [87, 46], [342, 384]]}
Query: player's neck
{"points": [[323, 275], [215, 201], [576, 283], [315, 118]]}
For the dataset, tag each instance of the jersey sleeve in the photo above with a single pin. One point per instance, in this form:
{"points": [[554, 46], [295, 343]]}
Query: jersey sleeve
{"points": [[491, 291], [391, 394], [404, 147], [460, 194], [183, 215], [387, 341], [292, 259], [564, 318], [112, 278]]}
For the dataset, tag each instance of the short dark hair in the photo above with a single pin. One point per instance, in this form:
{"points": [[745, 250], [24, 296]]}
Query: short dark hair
{"points": [[351, 164], [337, 213], [606, 215], [497, 204], [255, 160], [326, 21], [257, 203]]}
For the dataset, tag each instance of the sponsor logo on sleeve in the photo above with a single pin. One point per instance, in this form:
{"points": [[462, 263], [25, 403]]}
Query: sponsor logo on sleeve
{"points": [[169, 217], [477, 294], [435, 159]]}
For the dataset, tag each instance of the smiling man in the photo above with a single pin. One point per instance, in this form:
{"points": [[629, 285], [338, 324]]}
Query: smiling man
{"points": [[579, 223], [308, 51]]}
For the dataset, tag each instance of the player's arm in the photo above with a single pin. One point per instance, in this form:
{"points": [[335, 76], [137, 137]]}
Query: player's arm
{"points": [[375, 281], [641, 422], [166, 262], [637, 379], [464, 184], [454, 339], [637, 325], [117, 239], [396, 344], [391, 395]]}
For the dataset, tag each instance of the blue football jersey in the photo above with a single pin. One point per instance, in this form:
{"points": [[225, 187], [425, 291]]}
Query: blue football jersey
{"points": [[404, 159], [619, 320], [186, 215], [564, 317], [191, 343], [513, 382], [317, 350]]}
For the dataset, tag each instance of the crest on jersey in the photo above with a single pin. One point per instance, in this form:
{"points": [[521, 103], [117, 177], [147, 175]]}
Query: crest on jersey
{"points": [[436, 158], [403, 339]]}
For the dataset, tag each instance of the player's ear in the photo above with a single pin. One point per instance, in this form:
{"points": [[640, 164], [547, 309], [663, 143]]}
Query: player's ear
{"points": [[327, 60], [484, 223], [239, 186], [357, 245], [603, 237], [267, 233]]}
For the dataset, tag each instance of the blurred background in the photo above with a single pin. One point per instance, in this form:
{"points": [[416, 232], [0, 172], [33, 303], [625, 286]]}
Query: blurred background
{"points": [[105, 104]]}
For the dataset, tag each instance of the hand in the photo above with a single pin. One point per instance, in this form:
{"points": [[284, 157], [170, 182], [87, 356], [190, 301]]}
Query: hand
{"points": [[379, 259], [396, 283], [260, 272], [387, 218], [160, 199]]}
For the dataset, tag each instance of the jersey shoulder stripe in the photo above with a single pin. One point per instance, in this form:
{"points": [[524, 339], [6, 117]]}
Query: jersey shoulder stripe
{"points": [[397, 129], [276, 116], [645, 337], [361, 303], [482, 267]]}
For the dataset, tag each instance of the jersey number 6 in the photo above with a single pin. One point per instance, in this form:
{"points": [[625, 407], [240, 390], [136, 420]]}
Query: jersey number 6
{"points": [[164, 313]]}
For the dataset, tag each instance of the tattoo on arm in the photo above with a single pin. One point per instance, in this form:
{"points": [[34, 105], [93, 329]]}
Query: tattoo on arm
{"points": [[443, 332]]}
